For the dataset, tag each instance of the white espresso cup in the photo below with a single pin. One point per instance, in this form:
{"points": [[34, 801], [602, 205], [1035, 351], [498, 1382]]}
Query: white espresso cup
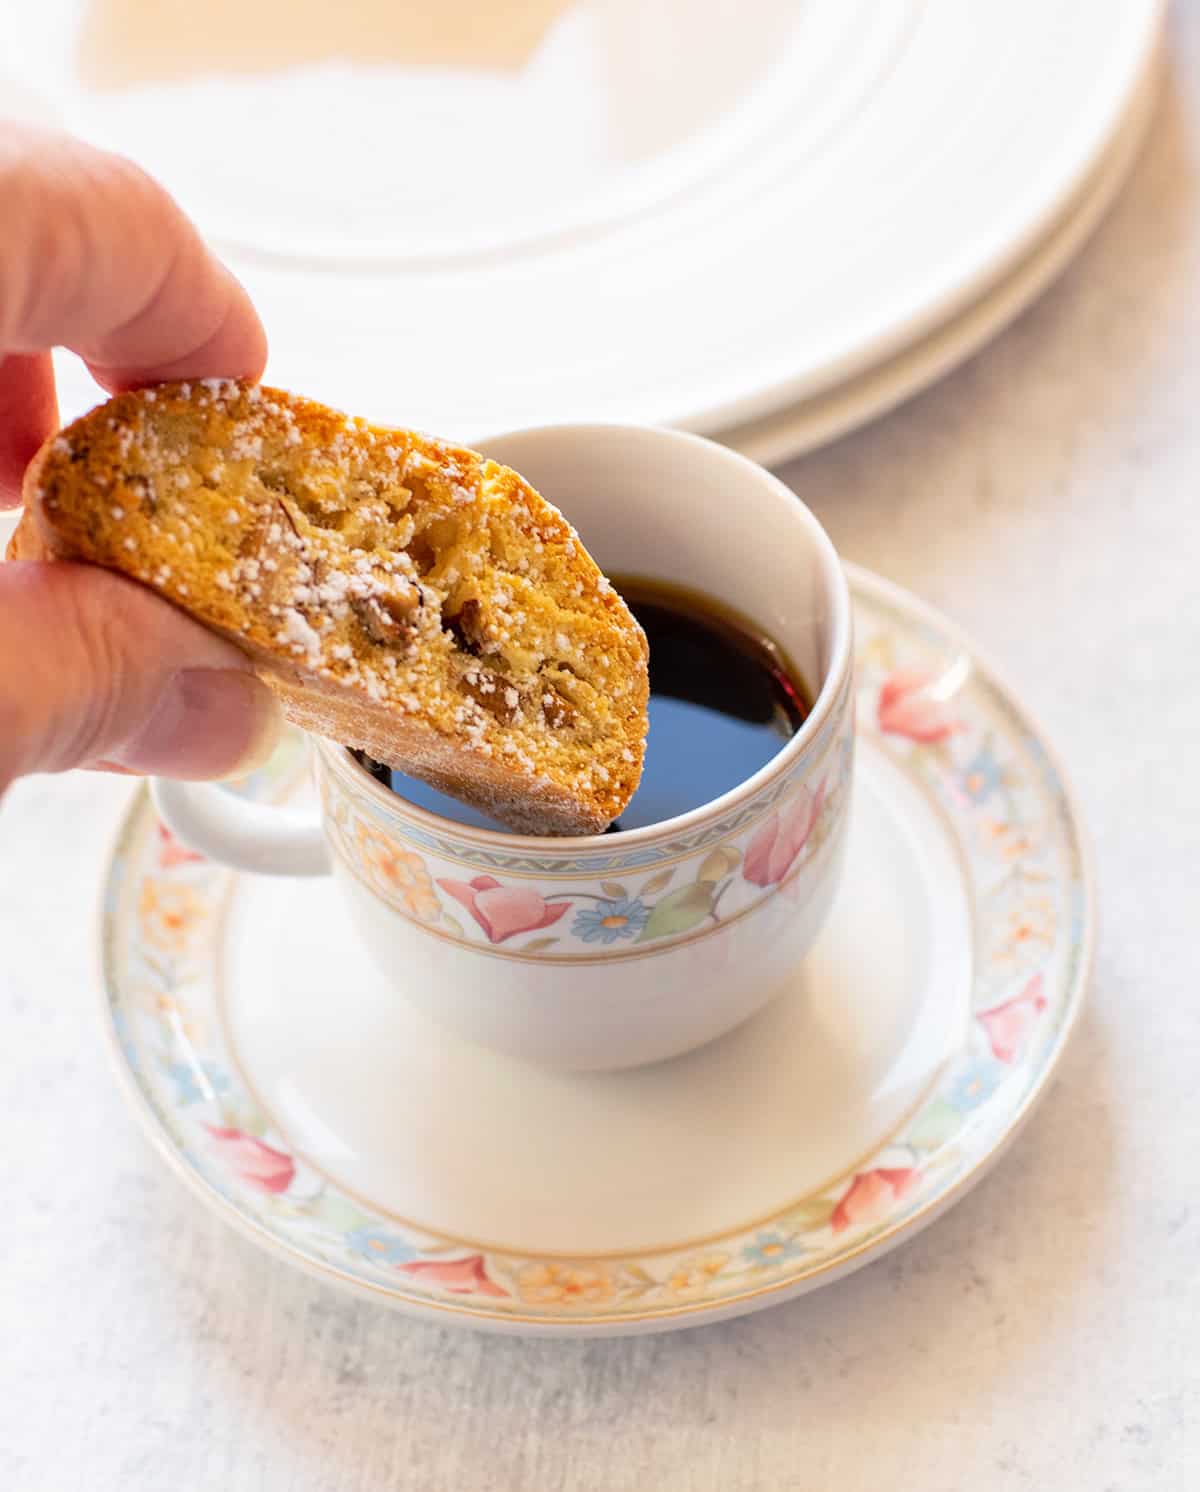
{"points": [[625, 948]]}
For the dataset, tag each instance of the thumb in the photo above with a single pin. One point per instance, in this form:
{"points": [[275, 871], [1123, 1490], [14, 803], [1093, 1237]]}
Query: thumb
{"points": [[97, 670]]}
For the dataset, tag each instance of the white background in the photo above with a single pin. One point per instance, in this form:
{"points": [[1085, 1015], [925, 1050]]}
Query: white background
{"points": [[1044, 1334]]}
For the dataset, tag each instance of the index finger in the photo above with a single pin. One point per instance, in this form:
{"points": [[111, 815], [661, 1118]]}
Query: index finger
{"points": [[100, 259]]}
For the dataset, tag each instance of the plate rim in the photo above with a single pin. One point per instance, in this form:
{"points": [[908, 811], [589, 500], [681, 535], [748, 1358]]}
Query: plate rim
{"points": [[933, 307], [812, 423], [684, 1314]]}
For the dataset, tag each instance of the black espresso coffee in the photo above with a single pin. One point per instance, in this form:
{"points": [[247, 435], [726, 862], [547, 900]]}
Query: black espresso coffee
{"points": [[723, 700]]}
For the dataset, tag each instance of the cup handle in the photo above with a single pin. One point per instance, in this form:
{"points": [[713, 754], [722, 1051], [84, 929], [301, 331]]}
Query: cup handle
{"points": [[248, 836]]}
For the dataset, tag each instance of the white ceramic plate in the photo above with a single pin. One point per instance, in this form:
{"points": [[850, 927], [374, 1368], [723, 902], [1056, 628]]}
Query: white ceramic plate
{"points": [[338, 1128], [655, 212], [812, 422]]}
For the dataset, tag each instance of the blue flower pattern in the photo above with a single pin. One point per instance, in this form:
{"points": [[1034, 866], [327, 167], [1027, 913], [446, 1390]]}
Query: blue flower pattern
{"points": [[983, 775], [609, 921], [190, 1080], [974, 1085], [771, 1248], [379, 1246]]}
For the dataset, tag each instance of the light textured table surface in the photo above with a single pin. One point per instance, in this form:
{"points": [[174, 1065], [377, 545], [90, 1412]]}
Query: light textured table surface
{"points": [[1046, 1333]]}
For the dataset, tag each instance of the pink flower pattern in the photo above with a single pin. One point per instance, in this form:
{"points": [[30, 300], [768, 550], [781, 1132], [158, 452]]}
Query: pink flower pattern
{"points": [[258, 1164], [772, 851], [871, 1194], [460, 1276], [171, 852], [504, 911], [1008, 1025], [907, 707]]}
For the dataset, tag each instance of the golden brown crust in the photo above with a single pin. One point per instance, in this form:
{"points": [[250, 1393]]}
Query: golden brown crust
{"points": [[401, 596]]}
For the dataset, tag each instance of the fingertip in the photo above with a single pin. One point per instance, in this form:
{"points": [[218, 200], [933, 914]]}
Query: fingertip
{"points": [[251, 335], [237, 348], [207, 723]]}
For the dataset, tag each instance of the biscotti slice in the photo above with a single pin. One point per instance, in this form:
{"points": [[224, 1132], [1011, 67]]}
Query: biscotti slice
{"points": [[400, 595]]}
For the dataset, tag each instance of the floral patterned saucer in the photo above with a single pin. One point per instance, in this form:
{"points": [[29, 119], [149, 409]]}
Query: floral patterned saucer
{"points": [[336, 1126]]}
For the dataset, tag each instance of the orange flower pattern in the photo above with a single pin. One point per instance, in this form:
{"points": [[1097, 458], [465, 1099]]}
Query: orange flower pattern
{"points": [[550, 1283], [168, 911], [399, 874], [693, 1276]]}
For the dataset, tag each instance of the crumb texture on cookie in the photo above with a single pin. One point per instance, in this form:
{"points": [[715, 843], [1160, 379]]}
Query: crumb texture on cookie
{"points": [[402, 596]]}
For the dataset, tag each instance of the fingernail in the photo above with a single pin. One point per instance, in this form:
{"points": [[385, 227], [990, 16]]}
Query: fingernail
{"points": [[209, 723]]}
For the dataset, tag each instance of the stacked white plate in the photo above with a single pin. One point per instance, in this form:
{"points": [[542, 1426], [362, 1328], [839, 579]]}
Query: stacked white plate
{"points": [[760, 219]]}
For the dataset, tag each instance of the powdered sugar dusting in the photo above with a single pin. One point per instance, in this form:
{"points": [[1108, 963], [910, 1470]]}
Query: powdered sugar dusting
{"points": [[298, 634]]}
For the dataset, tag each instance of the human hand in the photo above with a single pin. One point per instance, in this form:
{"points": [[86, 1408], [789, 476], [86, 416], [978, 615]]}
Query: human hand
{"points": [[94, 669]]}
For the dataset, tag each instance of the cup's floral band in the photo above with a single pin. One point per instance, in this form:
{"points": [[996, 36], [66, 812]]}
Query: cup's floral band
{"points": [[546, 908]]}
